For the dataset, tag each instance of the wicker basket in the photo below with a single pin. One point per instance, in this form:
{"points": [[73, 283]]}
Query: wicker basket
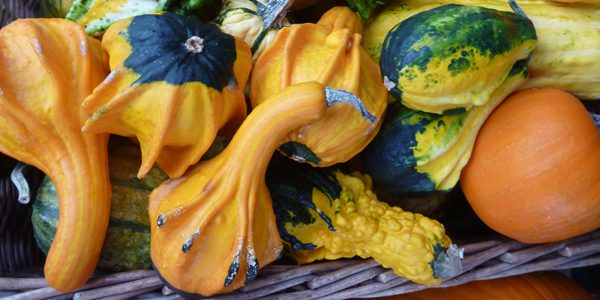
{"points": [[488, 258]]}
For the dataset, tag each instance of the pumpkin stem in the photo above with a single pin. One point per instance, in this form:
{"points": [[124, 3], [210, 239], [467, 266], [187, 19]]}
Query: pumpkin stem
{"points": [[195, 44], [19, 180], [516, 8], [333, 96]]}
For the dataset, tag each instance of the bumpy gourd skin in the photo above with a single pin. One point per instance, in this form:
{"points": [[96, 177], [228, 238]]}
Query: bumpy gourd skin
{"points": [[331, 55], [47, 68], [329, 215], [453, 56], [175, 82], [214, 227]]}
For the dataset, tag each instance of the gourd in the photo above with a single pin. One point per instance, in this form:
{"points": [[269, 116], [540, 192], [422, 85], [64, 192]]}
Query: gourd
{"points": [[418, 153], [47, 67], [453, 56], [327, 214], [365, 7], [565, 57], [340, 17], [333, 57], [55, 8], [541, 149], [213, 228], [255, 21], [97, 15], [175, 82], [547, 285], [127, 243]]}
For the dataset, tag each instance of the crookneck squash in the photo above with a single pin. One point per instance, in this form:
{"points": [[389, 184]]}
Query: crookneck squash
{"points": [[540, 149], [175, 82], [327, 214], [47, 68], [127, 243], [333, 57], [453, 56], [254, 21], [418, 153], [565, 56], [97, 15], [213, 228]]}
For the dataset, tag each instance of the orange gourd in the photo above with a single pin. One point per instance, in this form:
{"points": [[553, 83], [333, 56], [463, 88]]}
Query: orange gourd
{"points": [[328, 52], [341, 17], [534, 174], [214, 227], [548, 286], [47, 68]]}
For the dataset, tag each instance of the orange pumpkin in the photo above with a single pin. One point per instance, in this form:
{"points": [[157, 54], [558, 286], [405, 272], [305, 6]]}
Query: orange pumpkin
{"points": [[534, 174], [548, 286]]}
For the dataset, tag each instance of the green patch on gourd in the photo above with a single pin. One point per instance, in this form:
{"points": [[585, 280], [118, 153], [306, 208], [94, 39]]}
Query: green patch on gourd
{"points": [[453, 56], [299, 152]]}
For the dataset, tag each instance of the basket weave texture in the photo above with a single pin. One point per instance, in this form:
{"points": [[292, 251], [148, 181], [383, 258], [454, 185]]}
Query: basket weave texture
{"points": [[491, 257]]}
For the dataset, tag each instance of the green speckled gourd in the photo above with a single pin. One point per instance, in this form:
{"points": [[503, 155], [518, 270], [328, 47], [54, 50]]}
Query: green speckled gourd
{"points": [[419, 153], [453, 56], [127, 243], [327, 214], [97, 15], [568, 39]]}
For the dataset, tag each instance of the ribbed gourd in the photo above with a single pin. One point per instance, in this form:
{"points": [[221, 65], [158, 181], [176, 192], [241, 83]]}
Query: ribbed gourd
{"points": [[453, 56], [568, 39], [254, 21], [175, 82], [324, 213], [47, 68], [127, 243], [419, 153], [213, 228], [332, 56], [97, 15]]}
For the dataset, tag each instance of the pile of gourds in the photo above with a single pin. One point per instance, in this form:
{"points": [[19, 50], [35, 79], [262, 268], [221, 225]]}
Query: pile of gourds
{"points": [[174, 86]]}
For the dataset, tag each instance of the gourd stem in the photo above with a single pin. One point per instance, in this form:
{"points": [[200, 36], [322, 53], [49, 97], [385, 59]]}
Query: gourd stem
{"points": [[596, 118], [272, 13], [195, 44], [516, 8], [18, 179], [447, 262], [333, 96]]}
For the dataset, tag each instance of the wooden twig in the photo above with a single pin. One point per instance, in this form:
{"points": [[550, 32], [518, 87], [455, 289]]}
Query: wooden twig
{"points": [[119, 289], [21, 284], [341, 273], [48, 292], [297, 272]]}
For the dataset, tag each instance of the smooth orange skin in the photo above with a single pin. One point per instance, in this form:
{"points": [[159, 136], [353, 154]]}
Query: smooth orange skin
{"points": [[342, 17], [547, 286], [47, 68], [534, 174], [328, 52]]}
